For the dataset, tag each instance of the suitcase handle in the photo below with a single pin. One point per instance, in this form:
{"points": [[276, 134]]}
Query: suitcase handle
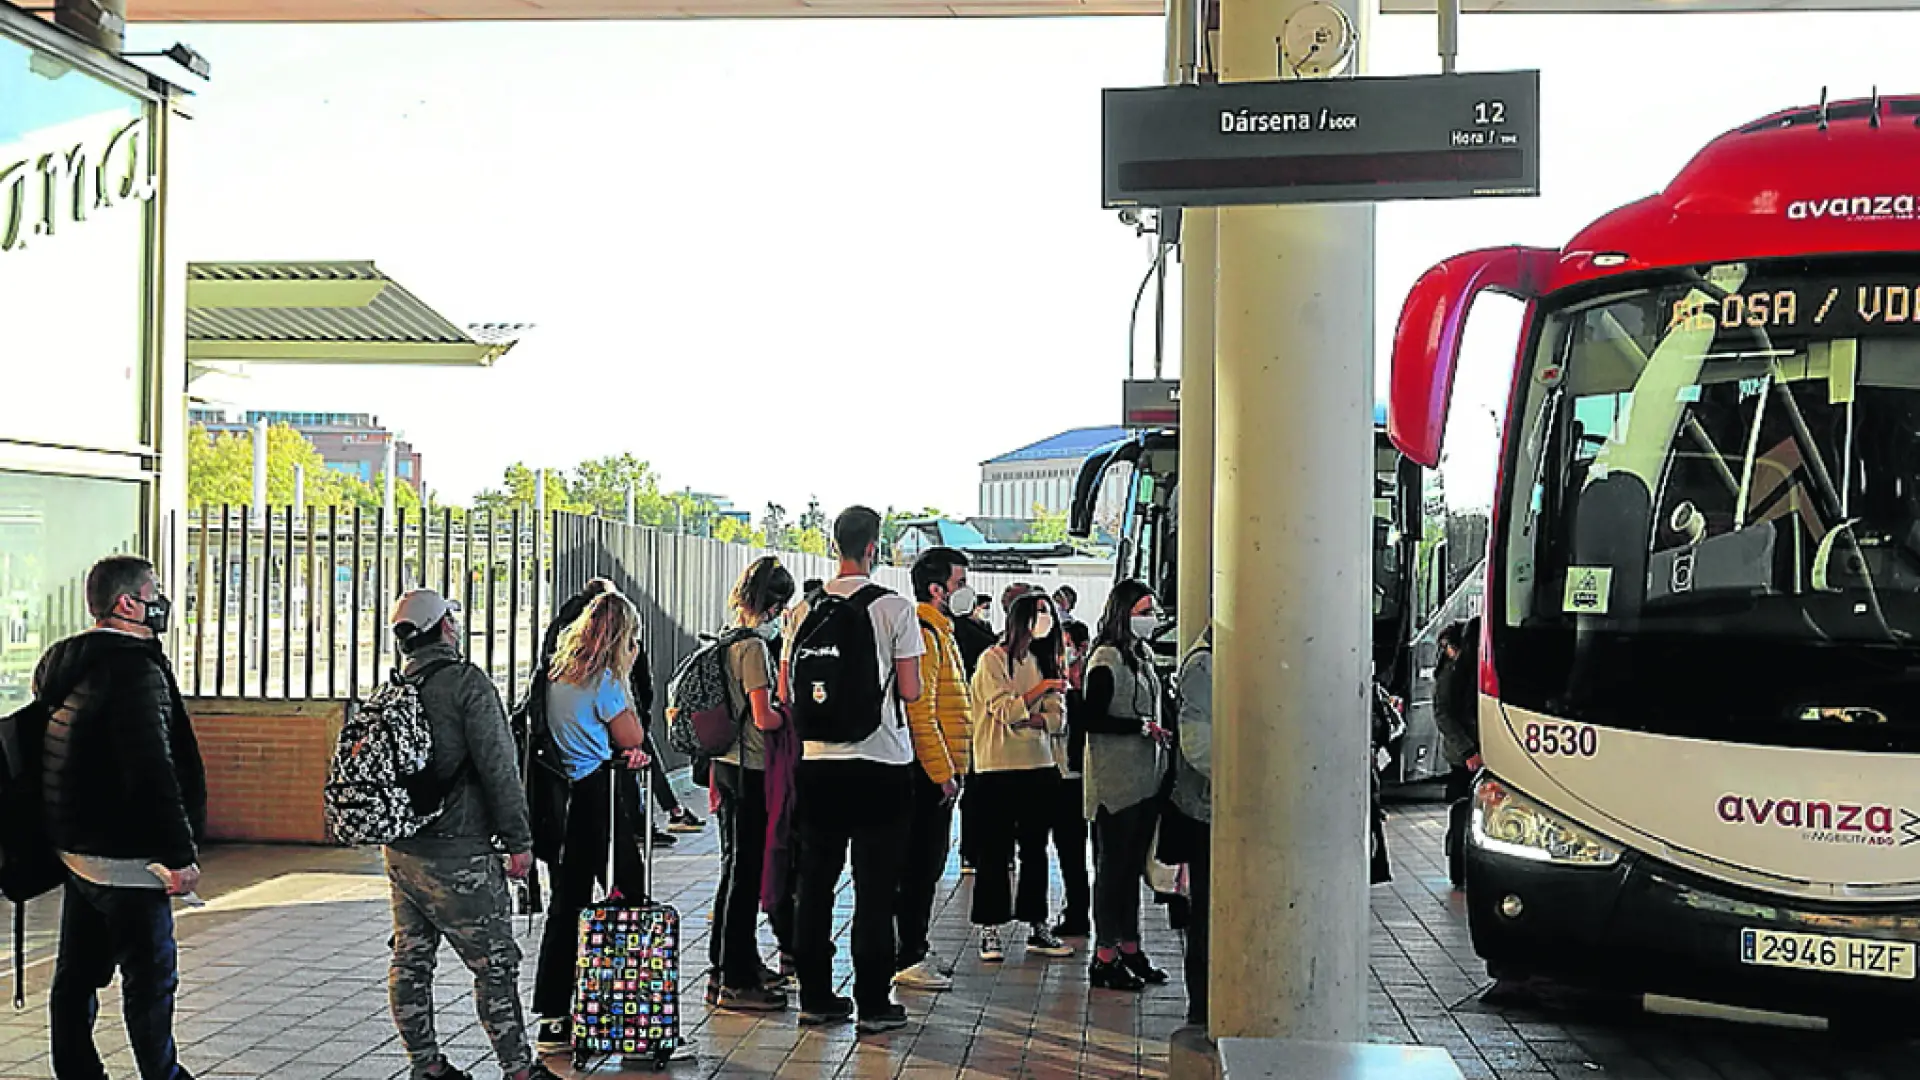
{"points": [[615, 767]]}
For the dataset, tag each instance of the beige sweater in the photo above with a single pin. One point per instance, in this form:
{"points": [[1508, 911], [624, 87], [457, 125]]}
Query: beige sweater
{"points": [[999, 690]]}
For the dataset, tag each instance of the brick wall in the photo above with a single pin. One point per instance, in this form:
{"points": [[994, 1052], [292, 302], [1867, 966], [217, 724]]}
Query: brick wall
{"points": [[266, 762]]}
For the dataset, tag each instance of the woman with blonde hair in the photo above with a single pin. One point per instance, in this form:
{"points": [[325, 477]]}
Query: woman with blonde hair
{"points": [[592, 722]]}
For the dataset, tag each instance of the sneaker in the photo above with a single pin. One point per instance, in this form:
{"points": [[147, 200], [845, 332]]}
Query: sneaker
{"points": [[552, 1037], [774, 980], [663, 838], [1045, 944], [923, 976], [446, 1070], [752, 999], [991, 951], [1113, 975], [682, 820], [837, 1010], [965, 866], [789, 967], [888, 1017]]}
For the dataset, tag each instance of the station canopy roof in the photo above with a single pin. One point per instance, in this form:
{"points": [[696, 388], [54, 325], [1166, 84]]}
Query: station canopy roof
{"points": [[436, 10], [324, 313]]}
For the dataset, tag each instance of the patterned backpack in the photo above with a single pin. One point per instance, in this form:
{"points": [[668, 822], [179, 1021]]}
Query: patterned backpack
{"points": [[378, 787], [700, 720]]}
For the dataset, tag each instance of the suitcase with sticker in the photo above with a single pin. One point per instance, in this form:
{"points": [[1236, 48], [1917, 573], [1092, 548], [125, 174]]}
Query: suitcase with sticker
{"points": [[626, 1001]]}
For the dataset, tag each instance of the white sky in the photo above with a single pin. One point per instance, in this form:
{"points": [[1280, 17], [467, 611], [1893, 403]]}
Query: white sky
{"points": [[846, 258]]}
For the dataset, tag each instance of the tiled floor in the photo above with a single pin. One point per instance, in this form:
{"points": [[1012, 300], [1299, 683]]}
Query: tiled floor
{"points": [[284, 977]]}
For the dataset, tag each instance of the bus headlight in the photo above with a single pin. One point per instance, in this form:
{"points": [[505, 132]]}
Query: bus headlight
{"points": [[1509, 823]]}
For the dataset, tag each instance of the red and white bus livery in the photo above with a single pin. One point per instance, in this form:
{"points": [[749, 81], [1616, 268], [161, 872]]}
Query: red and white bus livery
{"points": [[1700, 683]]}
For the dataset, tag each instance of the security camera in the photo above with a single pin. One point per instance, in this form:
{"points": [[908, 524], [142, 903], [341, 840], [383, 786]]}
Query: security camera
{"points": [[1130, 216]]}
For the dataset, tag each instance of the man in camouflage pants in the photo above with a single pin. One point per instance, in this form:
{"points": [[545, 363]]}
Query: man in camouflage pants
{"points": [[448, 881]]}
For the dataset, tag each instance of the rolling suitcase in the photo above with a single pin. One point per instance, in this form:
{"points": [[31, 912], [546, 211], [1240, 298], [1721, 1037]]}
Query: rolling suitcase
{"points": [[626, 1000]]}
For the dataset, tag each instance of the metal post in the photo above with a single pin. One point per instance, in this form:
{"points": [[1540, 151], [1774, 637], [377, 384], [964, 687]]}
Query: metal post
{"points": [[1293, 413], [260, 471], [1449, 34], [299, 485], [630, 504], [1199, 235], [386, 502]]}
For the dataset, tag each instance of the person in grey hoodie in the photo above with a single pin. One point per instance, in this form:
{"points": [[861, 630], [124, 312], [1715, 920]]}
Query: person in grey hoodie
{"points": [[449, 881]]}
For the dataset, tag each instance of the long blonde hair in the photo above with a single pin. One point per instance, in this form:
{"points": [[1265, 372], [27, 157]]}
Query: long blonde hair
{"points": [[604, 638]]}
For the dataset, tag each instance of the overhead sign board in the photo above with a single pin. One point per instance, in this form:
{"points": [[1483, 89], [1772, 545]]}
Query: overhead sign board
{"points": [[1322, 140], [1150, 403]]}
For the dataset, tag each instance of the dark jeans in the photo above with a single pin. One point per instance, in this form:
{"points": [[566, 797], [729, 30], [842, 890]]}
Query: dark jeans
{"points": [[1069, 830], [735, 942], [583, 863], [1200, 879], [926, 862], [1119, 866], [860, 805], [102, 929], [1012, 808]]}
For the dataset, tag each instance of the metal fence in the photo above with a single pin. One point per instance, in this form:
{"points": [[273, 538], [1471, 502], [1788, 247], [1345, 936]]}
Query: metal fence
{"points": [[294, 603]]}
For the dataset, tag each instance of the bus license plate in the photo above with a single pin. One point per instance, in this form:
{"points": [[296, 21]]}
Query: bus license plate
{"points": [[1820, 952]]}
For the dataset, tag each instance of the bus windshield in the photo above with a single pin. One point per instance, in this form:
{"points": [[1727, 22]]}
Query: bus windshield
{"points": [[1387, 571], [1721, 467]]}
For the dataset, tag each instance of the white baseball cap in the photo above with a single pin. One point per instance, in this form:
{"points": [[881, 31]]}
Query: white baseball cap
{"points": [[421, 609]]}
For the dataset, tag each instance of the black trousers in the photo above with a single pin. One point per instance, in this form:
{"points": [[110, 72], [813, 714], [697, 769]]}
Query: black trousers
{"points": [[1120, 864], [1012, 809], [1200, 879], [583, 863], [928, 836], [857, 806], [1069, 831], [1459, 809], [734, 947], [663, 795]]}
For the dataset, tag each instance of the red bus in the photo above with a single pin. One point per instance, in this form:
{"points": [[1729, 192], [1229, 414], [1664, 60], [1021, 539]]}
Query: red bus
{"points": [[1700, 681]]}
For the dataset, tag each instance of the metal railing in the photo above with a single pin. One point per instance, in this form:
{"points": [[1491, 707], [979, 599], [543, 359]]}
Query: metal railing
{"points": [[294, 603]]}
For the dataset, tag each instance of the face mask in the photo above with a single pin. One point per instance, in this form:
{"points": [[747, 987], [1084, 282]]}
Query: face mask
{"points": [[1042, 627], [159, 612], [961, 601], [1144, 626]]}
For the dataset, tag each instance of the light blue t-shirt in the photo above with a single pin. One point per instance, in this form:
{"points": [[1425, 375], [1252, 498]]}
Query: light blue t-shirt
{"points": [[579, 717]]}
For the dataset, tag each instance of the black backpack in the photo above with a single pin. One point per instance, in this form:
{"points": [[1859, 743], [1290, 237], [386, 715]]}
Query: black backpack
{"points": [[29, 865], [837, 692]]}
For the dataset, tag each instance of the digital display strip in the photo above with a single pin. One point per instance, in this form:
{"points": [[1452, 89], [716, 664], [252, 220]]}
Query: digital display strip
{"points": [[1837, 308], [1404, 167]]}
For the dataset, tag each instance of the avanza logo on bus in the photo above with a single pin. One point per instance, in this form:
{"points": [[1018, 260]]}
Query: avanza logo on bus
{"points": [[1854, 208], [1825, 822]]}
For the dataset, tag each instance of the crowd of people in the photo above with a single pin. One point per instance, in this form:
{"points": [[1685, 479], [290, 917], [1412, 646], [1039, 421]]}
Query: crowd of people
{"points": [[866, 722]]}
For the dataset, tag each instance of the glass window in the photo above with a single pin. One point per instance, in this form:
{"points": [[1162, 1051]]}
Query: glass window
{"points": [[52, 529], [75, 168]]}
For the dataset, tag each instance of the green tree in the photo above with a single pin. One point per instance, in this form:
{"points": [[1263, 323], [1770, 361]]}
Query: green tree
{"points": [[815, 518], [809, 541], [220, 469], [1047, 527], [734, 531], [773, 523], [517, 488], [601, 485]]}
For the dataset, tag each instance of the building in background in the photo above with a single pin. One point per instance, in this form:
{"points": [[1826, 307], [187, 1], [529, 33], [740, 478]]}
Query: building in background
{"points": [[1038, 479], [350, 443]]}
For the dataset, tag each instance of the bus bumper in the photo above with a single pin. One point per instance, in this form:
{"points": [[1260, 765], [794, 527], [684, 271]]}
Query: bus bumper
{"points": [[1643, 925]]}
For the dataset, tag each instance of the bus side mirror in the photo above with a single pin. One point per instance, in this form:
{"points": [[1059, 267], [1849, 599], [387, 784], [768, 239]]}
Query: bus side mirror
{"points": [[1426, 343]]}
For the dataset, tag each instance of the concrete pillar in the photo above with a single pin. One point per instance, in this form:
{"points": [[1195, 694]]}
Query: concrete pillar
{"points": [[299, 488], [1293, 399], [260, 471], [1199, 236]]}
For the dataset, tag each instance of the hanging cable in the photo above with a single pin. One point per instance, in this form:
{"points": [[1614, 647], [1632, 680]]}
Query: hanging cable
{"points": [[1140, 295]]}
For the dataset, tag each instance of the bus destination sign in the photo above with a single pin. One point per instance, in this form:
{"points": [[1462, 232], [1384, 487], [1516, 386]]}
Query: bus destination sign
{"points": [[1322, 140]]}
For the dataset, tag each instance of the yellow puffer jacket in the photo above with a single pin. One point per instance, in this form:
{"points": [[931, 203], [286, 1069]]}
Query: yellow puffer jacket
{"points": [[940, 721]]}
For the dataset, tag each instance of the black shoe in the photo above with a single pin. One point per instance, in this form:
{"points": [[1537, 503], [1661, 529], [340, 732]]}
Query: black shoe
{"points": [[539, 1071], [663, 838], [837, 1010], [1072, 928], [1143, 968], [682, 820], [773, 980], [888, 1017], [789, 967], [1113, 975]]}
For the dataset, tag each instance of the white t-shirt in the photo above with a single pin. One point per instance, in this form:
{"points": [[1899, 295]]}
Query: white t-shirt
{"points": [[896, 636]]}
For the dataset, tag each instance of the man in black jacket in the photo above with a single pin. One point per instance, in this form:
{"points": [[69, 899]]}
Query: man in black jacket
{"points": [[126, 802]]}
